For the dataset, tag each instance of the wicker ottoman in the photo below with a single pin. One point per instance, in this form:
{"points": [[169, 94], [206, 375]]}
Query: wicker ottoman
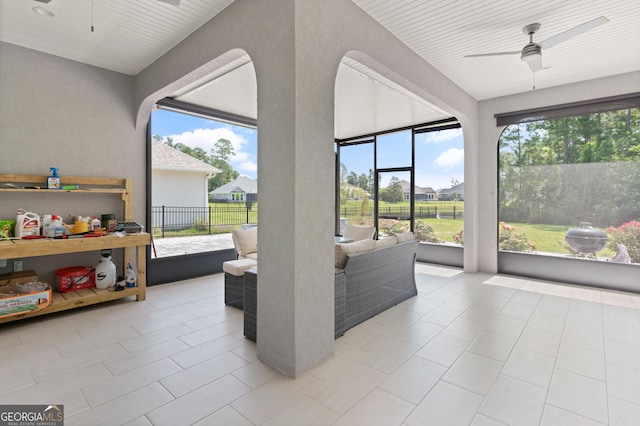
{"points": [[234, 280]]}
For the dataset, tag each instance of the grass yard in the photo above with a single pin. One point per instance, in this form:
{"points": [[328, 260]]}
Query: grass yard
{"points": [[548, 238]]}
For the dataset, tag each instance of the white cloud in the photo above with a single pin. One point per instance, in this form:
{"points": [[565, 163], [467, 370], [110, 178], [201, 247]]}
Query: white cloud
{"points": [[206, 138], [449, 158], [443, 135], [248, 166]]}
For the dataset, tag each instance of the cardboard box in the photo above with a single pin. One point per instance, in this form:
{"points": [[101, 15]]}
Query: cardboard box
{"points": [[75, 278], [15, 300], [18, 277]]}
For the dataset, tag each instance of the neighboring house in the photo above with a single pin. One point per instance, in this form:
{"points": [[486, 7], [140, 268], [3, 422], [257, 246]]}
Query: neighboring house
{"points": [[179, 180], [239, 190], [454, 193], [425, 193]]}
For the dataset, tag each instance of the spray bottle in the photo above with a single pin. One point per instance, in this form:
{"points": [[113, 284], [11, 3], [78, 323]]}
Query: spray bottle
{"points": [[130, 279], [53, 181]]}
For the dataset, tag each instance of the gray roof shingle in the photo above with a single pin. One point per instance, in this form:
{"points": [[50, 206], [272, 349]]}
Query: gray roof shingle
{"points": [[164, 157]]}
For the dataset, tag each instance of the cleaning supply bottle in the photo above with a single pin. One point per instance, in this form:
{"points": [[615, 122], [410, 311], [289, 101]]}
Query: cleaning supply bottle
{"points": [[95, 224], [106, 272], [27, 224], [53, 181], [130, 279], [54, 228]]}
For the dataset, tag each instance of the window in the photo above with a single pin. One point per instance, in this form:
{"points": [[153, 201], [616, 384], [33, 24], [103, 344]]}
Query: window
{"points": [[568, 186], [411, 178]]}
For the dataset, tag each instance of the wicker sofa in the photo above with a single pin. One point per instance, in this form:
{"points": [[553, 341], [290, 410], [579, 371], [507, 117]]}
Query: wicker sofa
{"points": [[367, 282]]}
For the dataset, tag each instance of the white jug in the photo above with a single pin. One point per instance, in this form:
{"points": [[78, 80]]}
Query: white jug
{"points": [[105, 273]]}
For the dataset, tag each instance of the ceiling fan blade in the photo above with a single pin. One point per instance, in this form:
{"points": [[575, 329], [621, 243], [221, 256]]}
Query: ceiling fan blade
{"points": [[570, 33], [171, 2], [478, 55]]}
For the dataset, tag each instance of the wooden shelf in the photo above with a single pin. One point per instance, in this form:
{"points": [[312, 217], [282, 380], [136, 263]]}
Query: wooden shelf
{"points": [[66, 191], [76, 299], [13, 249]]}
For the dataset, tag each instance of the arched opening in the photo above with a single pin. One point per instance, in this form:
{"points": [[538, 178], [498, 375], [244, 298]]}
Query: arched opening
{"points": [[399, 161], [202, 140]]}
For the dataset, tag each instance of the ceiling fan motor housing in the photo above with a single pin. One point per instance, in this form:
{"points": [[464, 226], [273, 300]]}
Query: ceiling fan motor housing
{"points": [[531, 49]]}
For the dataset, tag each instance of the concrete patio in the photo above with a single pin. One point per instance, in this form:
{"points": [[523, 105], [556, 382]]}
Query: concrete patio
{"points": [[176, 246]]}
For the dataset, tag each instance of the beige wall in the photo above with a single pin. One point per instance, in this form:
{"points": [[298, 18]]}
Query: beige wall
{"points": [[79, 118]]}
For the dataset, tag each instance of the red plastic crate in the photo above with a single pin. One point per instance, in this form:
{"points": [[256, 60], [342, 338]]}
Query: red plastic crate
{"points": [[75, 278]]}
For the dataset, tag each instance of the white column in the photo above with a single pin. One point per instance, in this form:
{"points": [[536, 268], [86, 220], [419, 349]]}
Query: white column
{"points": [[295, 316]]}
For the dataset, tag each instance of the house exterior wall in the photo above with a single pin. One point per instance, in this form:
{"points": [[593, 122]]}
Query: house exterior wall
{"points": [[168, 188]]}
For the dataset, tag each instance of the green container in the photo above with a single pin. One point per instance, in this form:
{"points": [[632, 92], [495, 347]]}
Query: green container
{"points": [[6, 228]]}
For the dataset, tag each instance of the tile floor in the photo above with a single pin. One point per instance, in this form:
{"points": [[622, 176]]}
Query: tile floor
{"points": [[470, 349]]}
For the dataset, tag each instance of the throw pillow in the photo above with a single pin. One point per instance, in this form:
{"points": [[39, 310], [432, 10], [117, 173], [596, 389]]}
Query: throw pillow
{"points": [[386, 241], [404, 237], [344, 249], [358, 233]]}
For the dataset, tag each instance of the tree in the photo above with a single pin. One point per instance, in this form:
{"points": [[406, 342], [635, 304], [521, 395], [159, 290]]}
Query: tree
{"points": [[222, 150], [392, 193], [220, 153]]}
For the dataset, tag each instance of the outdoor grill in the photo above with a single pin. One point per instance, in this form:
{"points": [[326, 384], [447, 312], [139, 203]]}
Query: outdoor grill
{"points": [[586, 239]]}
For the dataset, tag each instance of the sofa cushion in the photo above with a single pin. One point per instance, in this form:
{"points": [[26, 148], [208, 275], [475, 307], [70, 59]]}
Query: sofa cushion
{"points": [[386, 241], [344, 249], [358, 233], [404, 237], [237, 267], [253, 256], [245, 240]]}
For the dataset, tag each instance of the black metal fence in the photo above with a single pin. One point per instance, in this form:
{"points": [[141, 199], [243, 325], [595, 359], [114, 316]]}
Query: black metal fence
{"points": [[200, 220], [403, 212], [219, 219]]}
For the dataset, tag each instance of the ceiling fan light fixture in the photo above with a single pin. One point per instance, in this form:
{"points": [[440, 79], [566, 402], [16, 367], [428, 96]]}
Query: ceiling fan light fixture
{"points": [[532, 55]]}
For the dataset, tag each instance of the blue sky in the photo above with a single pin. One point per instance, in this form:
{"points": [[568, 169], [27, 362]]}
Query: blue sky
{"points": [[201, 132], [439, 155]]}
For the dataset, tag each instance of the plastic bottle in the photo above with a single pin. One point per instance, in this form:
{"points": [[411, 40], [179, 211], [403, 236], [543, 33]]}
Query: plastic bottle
{"points": [[105, 273], [130, 279], [95, 224], [44, 223], [27, 224], [53, 181], [54, 228]]}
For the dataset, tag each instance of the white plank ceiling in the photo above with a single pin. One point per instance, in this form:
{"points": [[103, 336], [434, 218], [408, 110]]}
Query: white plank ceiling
{"points": [[131, 34]]}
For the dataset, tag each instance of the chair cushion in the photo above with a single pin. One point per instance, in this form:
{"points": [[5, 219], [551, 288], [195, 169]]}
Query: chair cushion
{"points": [[253, 256], [237, 267], [344, 249], [358, 233], [245, 240]]}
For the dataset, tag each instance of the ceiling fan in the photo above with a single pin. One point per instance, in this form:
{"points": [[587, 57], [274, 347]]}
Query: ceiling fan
{"points": [[532, 52]]}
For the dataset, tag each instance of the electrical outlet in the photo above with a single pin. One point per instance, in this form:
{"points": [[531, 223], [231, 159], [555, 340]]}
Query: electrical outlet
{"points": [[17, 265]]}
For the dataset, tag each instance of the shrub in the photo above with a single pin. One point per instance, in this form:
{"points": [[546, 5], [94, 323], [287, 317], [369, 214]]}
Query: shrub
{"points": [[391, 226], [425, 232], [629, 235], [458, 237], [511, 240]]}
